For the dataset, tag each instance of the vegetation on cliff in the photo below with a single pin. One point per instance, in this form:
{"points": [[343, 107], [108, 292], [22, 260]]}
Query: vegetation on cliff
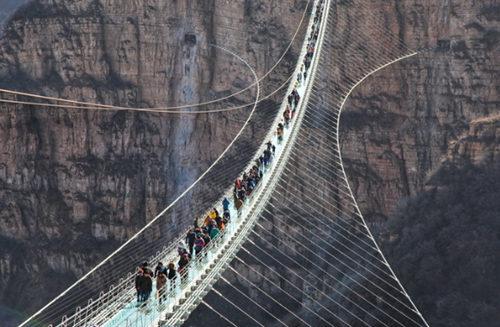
{"points": [[445, 246]]}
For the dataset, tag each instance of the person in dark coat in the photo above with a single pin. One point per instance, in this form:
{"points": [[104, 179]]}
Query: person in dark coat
{"points": [[206, 238], [171, 274], [182, 266], [146, 286], [190, 238], [147, 268], [226, 215], [140, 274], [159, 268], [269, 145]]}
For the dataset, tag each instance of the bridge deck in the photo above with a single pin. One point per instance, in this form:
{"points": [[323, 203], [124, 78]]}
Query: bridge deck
{"points": [[185, 296], [119, 306], [134, 314]]}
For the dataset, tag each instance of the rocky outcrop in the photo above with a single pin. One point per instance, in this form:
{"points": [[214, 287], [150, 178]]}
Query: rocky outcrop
{"points": [[479, 146]]}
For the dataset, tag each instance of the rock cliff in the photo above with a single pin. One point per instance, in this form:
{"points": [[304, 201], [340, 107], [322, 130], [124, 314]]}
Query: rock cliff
{"points": [[77, 183], [399, 124], [419, 143], [90, 179]]}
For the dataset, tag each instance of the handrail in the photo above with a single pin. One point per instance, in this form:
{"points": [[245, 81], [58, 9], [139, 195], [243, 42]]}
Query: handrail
{"points": [[256, 207], [121, 295]]}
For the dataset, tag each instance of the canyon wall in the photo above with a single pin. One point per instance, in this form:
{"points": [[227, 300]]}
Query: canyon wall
{"points": [[398, 125], [419, 144], [90, 179], [77, 183]]}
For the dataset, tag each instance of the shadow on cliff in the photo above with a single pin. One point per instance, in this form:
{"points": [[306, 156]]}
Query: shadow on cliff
{"points": [[444, 245]]}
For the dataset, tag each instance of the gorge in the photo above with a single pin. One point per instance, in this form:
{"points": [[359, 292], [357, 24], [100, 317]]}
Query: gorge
{"points": [[419, 138]]}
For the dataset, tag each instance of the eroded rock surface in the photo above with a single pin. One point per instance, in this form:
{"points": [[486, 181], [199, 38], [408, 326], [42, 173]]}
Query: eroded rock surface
{"points": [[91, 178], [76, 183]]}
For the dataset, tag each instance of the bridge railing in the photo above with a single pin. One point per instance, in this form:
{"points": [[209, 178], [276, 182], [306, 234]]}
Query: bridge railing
{"points": [[102, 310], [119, 296], [251, 211]]}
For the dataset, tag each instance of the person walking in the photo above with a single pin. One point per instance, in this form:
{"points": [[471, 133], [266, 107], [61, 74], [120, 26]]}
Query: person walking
{"points": [[138, 277], [159, 268], [214, 232], [161, 286], [225, 204], [181, 247], [286, 115], [206, 238], [147, 268], [226, 215], [190, 238], [182, 267], [171, 275], [269, 145], [199, 244], [297, 99], [146, 286], [196, 223]]}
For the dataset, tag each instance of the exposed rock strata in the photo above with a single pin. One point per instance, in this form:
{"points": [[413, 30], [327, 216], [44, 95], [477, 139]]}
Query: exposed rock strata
{"points": [[75, 183], [398, 124], [410, 121]]}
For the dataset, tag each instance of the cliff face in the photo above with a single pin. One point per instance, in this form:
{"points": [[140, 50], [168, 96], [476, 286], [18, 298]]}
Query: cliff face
{"points": [[479, 146], [399, 123], [420, 146], [90, 179], [76, 183], [443, 243], [8, 7]]}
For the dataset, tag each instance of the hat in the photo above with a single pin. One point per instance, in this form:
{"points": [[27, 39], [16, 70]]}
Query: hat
{"points": [[160, 263]]}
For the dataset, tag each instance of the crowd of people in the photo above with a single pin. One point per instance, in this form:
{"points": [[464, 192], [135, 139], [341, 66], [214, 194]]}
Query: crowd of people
{"points": [[144, 281], [188, 249], [212, 227], [294, 97]]}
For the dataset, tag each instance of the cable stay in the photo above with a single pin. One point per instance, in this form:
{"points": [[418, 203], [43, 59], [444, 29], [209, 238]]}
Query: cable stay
{"points": [[351, 282]]}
